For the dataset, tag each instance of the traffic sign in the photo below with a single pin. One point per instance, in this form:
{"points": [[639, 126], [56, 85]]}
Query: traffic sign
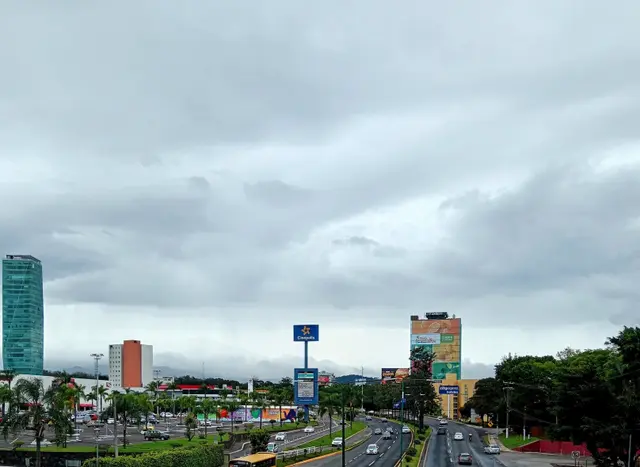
{"points": [[305, 386], [490, 424], [575, 454], [451, 390]]}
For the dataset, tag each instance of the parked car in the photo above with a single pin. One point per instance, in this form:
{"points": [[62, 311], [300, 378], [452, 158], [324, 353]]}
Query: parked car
{"points": [[154, 435], [372, 449], [465, 459]]}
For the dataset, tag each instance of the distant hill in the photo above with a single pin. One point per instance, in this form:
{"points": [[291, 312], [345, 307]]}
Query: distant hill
{"points": [[350, 379]]}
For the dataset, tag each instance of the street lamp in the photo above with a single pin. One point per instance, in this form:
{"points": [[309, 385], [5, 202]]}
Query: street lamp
{"points": [[97, 357]]}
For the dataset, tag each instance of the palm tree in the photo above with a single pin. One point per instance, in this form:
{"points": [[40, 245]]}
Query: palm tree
{"points": [[60, 406], [102, 393], [259, 403], [207, 406], [352, 399], [232, 406], [145, 405], [29, 394], [5, 397], [173, 386], [279, 399], [78, 394], [329, 405], [152, 387]]}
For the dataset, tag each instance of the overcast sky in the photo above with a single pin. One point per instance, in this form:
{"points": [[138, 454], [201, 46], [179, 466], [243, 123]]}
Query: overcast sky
{"points": [[202, 175]]}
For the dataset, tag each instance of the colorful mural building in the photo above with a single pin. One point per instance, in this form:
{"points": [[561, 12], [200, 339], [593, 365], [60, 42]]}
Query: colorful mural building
{"points": [[442, 335], [250, 414]]}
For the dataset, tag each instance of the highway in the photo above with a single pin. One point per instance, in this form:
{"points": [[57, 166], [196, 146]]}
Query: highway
{"points": [[388, 455], [443, 450]]}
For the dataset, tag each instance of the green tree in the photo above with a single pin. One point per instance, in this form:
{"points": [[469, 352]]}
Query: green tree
{"points": [[279, 398], [259, 440], [232, 406], [28, 411], [420, 394], [207, 406], [329, 406], [259, 402], [190, 426]]}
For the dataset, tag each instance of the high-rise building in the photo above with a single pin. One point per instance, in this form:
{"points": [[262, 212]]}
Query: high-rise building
{"points": [[130, 364], [22, 314], [443, 336]]}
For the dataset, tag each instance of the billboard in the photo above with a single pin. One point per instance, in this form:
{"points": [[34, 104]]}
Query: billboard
{"points": [[427, 347], [443, 335], [429, 339], [437, 326], [250, 414], [395, 373], [323, 380], [440, 370], [305, 387]]}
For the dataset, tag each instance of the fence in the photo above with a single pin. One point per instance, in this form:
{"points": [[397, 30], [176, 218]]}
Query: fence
{"points": [[303, 453]]}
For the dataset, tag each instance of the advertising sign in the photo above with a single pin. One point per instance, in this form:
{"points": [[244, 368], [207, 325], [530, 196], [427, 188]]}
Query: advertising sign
{"points": [[447, 352], [430, 339], [324, 380], [397, 374], [306, 333], [305, 386], [426, 347], [449, 390], [437, 326], [442, 369]]}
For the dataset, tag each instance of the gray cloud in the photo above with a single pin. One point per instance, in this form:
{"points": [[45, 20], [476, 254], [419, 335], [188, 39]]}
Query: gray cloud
{"points": [[231, 159]]}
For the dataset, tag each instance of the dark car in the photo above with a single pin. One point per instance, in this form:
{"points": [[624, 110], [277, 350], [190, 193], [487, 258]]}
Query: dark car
{"points": [[153, 435], [442, 430], [465, 459]]}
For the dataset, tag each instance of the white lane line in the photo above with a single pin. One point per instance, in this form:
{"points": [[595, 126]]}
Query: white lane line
{"points": [[372, 463]]}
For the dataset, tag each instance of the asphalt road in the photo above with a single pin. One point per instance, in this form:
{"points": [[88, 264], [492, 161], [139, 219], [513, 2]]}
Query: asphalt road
{"points": [[443, 450], [388, 454]]}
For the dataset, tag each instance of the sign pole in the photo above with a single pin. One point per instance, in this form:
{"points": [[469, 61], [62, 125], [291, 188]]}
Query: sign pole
{"points": [[306, 367]]}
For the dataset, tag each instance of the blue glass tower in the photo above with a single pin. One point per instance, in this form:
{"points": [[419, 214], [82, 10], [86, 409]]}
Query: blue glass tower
{"points": [[22, 314]]}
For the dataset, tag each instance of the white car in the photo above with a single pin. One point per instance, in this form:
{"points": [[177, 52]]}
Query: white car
{"points": [[458, 436], [309, 429], [372, 449], [492, 449], [337, 442], [405, 430], [110, 421], [280, 436]]}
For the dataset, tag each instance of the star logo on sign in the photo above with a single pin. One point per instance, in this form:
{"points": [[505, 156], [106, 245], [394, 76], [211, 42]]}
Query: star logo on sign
{"points": [[306, 330]]}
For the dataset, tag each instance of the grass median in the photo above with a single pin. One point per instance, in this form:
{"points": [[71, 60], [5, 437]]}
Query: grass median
{"points": [[515, 441], [276, 428], [326, 440], [420, 442]]}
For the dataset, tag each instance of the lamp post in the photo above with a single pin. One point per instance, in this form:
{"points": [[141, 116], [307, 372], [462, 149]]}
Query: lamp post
{"points": [[97, 357]]}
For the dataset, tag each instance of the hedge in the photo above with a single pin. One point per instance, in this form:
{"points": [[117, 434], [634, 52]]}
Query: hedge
{"points": [[189, 456]]}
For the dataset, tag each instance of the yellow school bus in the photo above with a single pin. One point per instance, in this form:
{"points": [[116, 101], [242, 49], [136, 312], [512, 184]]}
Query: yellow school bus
{"points": [[254, 460]]}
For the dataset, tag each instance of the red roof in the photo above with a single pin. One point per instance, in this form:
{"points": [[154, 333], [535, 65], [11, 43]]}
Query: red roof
{"points": [[186, 387]]}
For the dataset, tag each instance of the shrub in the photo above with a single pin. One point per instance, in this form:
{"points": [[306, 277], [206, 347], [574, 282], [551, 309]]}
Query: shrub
{"points": [[259, 440], [408, 459], [412, 451], [192, 456], [417, 442]]}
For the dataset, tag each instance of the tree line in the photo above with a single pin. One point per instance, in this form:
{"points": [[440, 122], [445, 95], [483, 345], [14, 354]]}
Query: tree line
{"points": [[583, 396]]}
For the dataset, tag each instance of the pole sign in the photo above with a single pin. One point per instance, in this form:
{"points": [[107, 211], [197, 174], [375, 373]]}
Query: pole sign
{"points": [[306, 332], [305, 386], [449, 390]]}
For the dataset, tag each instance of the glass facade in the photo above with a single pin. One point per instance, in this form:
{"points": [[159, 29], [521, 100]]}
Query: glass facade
{"points": [[22, 314]]}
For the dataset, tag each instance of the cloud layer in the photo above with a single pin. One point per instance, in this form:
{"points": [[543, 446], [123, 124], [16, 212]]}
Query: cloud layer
{"points": [[216, 171]]}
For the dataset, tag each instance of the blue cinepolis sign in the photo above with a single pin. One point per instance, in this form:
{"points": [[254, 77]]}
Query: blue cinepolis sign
{"points": [[452, 390], [305, 386], [306, 333]]}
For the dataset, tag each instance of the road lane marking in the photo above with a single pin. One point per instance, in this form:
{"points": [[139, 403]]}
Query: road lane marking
{"points": [[372, 463]]}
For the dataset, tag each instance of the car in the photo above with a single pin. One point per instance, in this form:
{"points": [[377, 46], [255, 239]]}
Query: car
{"points": [[280, 436], [273, 447], [309, 429], [368, 418], [442, 430], [443, 422], [465, 459], [458, 436], [406, 430], [384, 420], [492, 449], [336, 443], [377, 431], [386, 435], [152, 435], [110, 421], [372, 449]]}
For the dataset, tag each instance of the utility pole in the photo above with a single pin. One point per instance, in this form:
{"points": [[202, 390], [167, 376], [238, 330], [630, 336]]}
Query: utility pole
{"points": [[401, 420], [507, 390], [97, 357], [362, 396], [344, 434]]}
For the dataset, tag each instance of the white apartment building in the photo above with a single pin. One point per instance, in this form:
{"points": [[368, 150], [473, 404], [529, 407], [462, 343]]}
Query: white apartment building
{"points": [[130, 364]]}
